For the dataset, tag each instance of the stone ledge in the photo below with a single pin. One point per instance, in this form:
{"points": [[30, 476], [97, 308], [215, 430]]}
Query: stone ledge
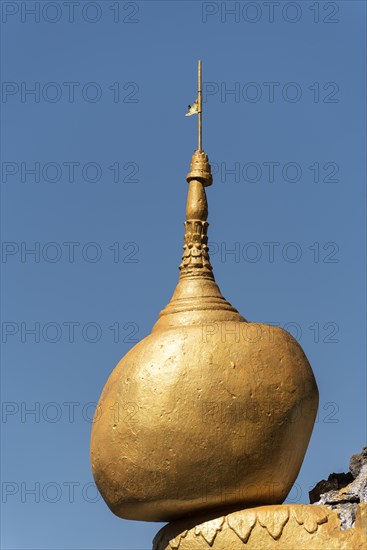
{"points": [[285, 527]]}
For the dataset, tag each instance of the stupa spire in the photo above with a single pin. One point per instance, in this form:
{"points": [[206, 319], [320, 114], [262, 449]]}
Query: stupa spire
{"points": [[197, 297], [195, 259]]}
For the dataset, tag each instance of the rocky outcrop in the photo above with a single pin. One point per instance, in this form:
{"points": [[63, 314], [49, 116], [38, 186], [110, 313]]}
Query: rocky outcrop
{"points": [[343, 492], [333, 483]]}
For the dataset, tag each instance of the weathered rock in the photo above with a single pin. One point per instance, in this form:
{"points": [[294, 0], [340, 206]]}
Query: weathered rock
{"points": [[343, 492], [357, 461], [333, 483]]}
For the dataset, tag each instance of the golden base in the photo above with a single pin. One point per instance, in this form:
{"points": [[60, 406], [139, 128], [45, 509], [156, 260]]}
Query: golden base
{"points": [[285, 527]]}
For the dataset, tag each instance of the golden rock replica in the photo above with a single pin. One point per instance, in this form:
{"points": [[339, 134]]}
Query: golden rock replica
{"points": [[206, 421]]}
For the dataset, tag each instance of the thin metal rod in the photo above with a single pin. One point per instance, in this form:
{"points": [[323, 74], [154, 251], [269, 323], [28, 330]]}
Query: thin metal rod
{"points": [[200, 120]]}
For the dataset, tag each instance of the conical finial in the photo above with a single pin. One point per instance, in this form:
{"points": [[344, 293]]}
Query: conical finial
{"points": [[195, 260], [197, 298]]}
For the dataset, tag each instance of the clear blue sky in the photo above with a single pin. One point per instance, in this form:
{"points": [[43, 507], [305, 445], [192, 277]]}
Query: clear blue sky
{"points": [[105, 134]]}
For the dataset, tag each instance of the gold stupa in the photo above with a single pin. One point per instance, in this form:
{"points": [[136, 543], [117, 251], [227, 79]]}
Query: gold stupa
{"points": [[210, 415]]}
